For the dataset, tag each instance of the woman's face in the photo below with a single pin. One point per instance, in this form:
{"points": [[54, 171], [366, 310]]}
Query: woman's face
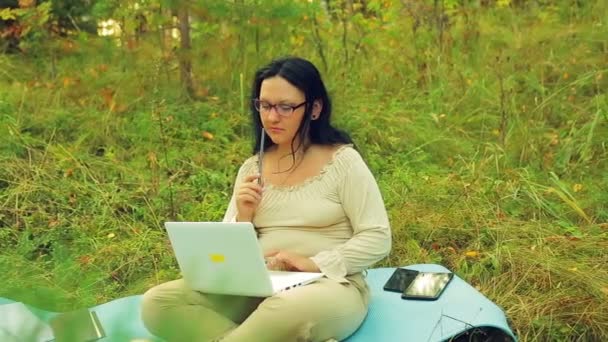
{"points": [[278, 95]]}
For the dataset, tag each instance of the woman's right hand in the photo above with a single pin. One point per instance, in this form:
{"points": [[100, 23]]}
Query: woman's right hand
{"points": [[248, 198]]}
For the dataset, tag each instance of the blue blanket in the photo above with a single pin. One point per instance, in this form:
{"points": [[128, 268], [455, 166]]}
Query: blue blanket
{"points": [[390, 318]]}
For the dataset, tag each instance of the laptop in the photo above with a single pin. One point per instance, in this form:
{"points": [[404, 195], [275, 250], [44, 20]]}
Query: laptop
{"points": [[226, 258]]}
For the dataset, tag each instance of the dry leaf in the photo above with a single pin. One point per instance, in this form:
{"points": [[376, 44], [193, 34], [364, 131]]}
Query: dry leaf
{"points": [[27, 3], [69, 81], [202, 92], [68, 173], [472, 254], [108, 96], [84, 260], [207, 135]]}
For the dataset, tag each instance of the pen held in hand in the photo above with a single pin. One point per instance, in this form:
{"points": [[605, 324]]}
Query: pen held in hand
{"points": [[261, 157]]}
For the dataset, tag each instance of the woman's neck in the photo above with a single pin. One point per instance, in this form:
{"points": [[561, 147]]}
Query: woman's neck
{"points": [[286, 157], [295, 148]]}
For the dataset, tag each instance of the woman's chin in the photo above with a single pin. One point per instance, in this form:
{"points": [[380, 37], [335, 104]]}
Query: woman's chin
{"points": [[279, 140]]}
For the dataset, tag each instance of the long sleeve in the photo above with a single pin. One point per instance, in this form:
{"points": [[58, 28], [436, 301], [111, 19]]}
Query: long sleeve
{"points": [[364, 207], [244, 170]]}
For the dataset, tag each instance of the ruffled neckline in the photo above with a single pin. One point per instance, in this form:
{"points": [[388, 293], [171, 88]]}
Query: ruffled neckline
{"points": [[309, 180]]}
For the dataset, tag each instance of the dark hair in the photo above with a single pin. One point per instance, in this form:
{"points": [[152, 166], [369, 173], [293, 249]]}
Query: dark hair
{"points": [[303, 75]]}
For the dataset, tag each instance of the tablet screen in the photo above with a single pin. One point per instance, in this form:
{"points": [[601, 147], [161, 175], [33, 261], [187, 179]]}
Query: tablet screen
{"points": [[428, 285]]}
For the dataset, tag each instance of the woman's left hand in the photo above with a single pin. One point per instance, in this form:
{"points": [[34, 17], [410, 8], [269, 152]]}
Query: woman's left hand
{"points": [[287, 261]]}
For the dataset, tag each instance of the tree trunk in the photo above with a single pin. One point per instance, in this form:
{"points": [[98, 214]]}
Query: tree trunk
{"points": [[185, 53]]}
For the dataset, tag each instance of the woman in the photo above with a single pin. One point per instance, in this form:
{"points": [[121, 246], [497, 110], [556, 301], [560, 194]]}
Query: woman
{"points": [[319, 210]]}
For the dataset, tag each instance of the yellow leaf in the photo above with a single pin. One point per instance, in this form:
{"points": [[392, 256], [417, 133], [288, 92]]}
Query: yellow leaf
{"points": [[577, 187], [207, 135], [472, 254], [68, 81], [111, 235]]}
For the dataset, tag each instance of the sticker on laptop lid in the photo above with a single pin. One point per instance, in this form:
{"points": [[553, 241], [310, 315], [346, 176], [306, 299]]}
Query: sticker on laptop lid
{"points": [[217, 258]]}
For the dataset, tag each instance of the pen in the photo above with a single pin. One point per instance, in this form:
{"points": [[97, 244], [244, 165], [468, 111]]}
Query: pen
{"points": [[261, 157]]}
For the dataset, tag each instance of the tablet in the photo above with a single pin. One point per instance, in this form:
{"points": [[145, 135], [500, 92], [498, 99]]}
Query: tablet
{"points": [[427, 285]]}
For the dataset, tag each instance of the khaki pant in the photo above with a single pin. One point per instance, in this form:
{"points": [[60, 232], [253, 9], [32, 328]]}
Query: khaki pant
{"points": [[320, 311]]}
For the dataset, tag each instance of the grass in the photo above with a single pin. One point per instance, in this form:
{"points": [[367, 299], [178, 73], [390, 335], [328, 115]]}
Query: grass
{"points": [[489, 149]]}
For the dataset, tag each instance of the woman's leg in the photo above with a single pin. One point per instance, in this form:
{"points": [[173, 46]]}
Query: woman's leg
{"points": [[175, 312], [315, 312]]}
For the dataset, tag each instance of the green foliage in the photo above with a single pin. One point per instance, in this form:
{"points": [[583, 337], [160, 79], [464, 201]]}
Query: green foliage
{"points": [[485, 125]]}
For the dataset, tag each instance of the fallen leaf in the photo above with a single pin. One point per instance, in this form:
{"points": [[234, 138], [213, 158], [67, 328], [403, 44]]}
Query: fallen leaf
{"points": [[435, 246], [68, 173], [472, 254], [108, 96], [111, 235], [84, 260], [69, 81], [202, 92], [27, 3], [207, 135]]}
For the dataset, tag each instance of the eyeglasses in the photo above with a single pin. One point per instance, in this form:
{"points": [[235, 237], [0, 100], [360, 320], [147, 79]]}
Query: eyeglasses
{"points": [[282, 109]]}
